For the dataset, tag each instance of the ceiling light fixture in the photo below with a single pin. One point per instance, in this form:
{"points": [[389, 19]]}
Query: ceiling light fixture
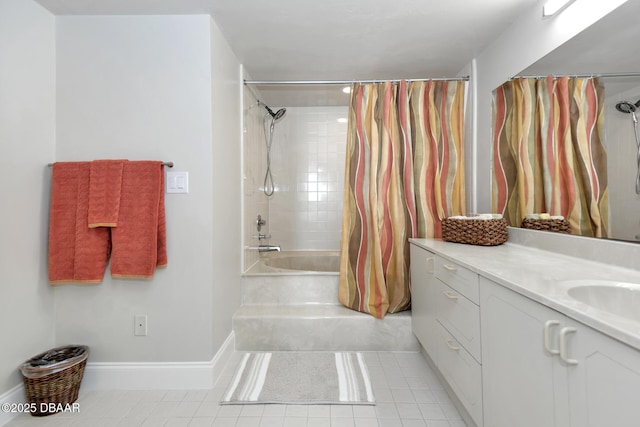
{"points": [[552, 7]]}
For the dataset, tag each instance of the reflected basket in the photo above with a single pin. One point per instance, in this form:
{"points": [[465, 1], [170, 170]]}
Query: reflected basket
{"points": [[483, 232], [558, 225]]}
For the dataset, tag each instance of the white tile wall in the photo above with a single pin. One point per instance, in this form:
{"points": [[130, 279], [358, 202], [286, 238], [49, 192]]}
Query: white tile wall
{"points": [[307, 164], [308, 169]]}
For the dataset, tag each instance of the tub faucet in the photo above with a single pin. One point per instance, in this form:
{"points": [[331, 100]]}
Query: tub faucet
{"points": [[268, 248]]}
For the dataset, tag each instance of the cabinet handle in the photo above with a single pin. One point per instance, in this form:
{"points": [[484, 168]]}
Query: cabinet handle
{"points": [[429, 265], [563, 345], [449, 267], [450, 295], [449, 342], [548, 324]]}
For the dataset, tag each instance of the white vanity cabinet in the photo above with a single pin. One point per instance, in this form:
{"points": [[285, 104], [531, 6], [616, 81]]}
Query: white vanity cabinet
{"points": [[523, 384], [541, 368], [604, 385], [423, 302], [446, 321]]}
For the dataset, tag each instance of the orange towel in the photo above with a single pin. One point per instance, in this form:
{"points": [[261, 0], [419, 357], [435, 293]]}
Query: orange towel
{"points": [[105, 183], [76, 253], [139, 240]]}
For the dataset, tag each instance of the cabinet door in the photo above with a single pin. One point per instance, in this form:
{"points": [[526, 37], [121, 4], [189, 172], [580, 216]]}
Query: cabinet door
{"points": [[423, 310], [523, 384], [604, 386]]}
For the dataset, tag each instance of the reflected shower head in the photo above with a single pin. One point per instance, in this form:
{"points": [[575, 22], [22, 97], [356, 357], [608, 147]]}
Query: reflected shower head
{"points": [[627, 107]]}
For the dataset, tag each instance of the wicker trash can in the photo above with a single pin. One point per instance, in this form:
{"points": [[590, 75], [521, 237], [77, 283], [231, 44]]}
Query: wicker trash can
{"points": [[52, 379]]}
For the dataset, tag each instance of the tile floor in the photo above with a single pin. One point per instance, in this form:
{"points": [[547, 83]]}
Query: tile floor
{"points": [[407, 392]]}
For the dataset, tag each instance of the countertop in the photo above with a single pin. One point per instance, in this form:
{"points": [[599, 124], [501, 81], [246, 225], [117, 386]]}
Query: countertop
{"points": [[542, 276]]}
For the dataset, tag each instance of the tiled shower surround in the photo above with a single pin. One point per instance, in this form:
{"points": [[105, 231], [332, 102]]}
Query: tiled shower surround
{"points": [[253, 169], [308, 170], [307, 164]]}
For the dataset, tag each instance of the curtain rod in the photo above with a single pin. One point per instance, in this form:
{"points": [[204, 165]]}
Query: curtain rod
{"points": [[603, 75], [168, 164], [343, 82]]}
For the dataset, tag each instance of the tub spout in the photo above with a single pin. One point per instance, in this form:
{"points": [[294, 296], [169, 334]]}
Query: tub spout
{"points": [[268, 248]]}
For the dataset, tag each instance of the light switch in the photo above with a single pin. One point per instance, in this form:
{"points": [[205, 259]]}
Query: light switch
{"points": [[177, 182]]}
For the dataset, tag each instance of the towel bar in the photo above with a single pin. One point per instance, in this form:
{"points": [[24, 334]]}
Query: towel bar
{"points": [[168, 164]]}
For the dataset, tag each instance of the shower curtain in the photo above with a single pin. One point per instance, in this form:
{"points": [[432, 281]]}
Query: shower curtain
{"points": [[548, 154], [404, 172]]}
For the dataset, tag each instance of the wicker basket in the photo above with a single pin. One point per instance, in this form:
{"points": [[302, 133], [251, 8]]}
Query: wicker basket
{"points": [[484, 232], [553, 224], [54, 377]]}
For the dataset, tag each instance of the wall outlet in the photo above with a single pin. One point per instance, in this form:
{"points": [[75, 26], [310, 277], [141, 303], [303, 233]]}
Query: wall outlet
{"points": [[140, 325]]}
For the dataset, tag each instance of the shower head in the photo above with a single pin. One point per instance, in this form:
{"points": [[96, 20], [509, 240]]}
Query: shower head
{"points": [[278, 114], [627, 107]]}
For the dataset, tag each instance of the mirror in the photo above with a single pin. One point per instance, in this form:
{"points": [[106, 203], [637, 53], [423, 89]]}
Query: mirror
{"points": [[610, 46]]}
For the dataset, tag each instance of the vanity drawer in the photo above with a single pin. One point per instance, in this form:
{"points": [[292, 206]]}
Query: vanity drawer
{"points": [[459, 278], [462, 372], [460, 317]]}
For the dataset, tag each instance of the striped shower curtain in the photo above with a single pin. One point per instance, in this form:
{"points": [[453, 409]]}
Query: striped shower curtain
{"points": [[548, 154], [404, 172]]}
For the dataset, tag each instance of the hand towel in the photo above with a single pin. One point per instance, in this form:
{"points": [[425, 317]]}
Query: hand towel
{"points": [[77, 254], [139, 240], [105, 184]]}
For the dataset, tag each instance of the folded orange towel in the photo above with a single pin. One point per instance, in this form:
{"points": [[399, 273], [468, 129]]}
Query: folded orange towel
{"points": [[76, 253], [139, 240], [105, 183]]}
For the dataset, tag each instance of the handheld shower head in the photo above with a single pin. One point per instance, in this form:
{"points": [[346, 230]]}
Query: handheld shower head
{"points": [[278, 114], [626, 107]]}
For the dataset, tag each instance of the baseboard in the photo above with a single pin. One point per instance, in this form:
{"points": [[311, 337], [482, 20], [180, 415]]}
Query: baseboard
{"points": [[157, 375], [140, 376], [13, 396]]}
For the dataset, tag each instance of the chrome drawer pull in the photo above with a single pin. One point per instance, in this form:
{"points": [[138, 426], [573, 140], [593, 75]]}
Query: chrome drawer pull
{"points": [[450, 295], [449, 267], [449, 342]]}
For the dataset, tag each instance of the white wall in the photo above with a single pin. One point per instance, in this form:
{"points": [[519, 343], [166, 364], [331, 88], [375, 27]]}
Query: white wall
{"points": [[27, 143], [140, 87], [227, 194], [527, 40]]}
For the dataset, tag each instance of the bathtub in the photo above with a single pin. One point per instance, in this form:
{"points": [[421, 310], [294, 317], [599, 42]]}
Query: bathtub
{"points": [[297, 262]]}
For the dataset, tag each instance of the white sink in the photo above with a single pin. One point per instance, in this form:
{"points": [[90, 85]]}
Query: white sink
{"points": [[617, 298]]}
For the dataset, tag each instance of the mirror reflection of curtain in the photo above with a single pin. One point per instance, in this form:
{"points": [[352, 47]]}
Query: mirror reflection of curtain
{"points": [[404, 173], [548, 155]]}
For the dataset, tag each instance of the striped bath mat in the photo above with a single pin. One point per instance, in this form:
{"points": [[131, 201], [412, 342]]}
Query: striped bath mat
{"points": [[301, 378]]}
